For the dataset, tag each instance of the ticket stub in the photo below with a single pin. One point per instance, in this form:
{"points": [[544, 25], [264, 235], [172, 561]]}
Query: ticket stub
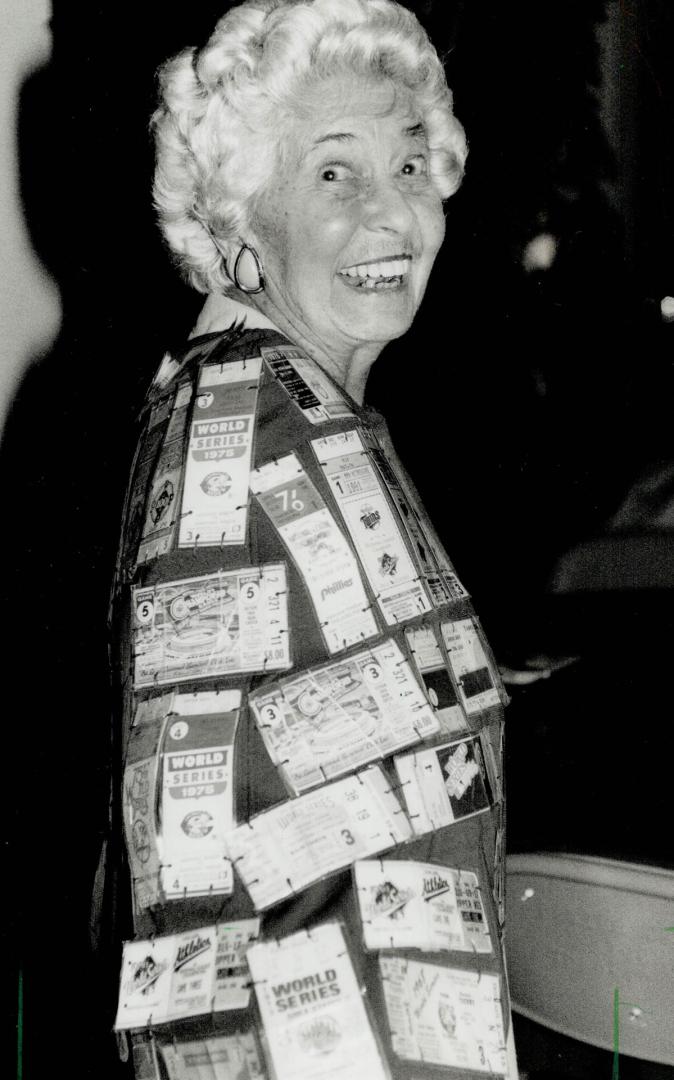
{"points": [[285, 849], [145, 983], [215, 497], [444, 784], [232, 978], [498, 890], [145, 1057], [187, 974], [472, 669], [163, 508], [438, 585], [320, 550], [432, 667], [443, 1016], [223, 1057], [218, 624], [376, 534], [191, 990], [140, 799], [413, 905], [139, 806], [197, 806], [312, 1008], [146, 457], [387, 454], [314, 393], [333, 719]]}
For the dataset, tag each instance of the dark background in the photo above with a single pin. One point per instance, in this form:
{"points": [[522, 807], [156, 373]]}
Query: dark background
{"points": [[525, 405]]}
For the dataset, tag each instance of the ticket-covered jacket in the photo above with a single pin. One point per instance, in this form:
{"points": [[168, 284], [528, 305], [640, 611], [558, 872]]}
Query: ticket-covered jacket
{"points": [[310, 742]]}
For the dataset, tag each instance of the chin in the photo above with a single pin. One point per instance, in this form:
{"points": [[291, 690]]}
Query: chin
{"points": [[384, 329], [391, 321]]}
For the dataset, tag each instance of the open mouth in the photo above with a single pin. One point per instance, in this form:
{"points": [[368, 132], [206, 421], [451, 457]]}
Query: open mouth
{"points": [[378, 275]]}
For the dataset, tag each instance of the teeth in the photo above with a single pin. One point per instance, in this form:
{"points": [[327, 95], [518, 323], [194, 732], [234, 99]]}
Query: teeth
{"points": [[393, 268]]}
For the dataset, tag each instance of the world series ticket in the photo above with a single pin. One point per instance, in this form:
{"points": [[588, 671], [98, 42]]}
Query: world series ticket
{"points": [[163, 507], [413, 905], [218, 624], [376, 534], [308, 387], [197, 805], [443, 1016], [473, 671], [444, 784], [312, 1009], [283, 850], [188, 974], [215, 497], [223, 1057], [432, 668], [336, 718], [319, 549]]}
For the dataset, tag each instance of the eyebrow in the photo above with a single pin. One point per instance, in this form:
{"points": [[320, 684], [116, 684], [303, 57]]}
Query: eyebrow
{"points": [[336, 136], [414, 131]]}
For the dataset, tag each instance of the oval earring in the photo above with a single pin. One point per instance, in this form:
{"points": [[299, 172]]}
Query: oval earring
{"points": [[247, 272]]}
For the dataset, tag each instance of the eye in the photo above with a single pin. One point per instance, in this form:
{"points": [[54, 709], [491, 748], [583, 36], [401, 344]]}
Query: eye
{"points": [[335, 172], [415, 166]]}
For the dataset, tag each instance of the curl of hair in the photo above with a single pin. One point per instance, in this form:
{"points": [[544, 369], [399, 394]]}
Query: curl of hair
{"points": [[217, 127]]}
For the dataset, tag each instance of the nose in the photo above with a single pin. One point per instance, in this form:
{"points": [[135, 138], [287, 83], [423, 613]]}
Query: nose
{"points": [[387, 207]]}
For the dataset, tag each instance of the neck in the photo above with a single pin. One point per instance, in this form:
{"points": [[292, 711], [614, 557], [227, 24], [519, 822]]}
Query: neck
{"points": [[348, 368]]}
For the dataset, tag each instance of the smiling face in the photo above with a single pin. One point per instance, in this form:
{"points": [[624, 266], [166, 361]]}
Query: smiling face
{"points": [[347, 232]]}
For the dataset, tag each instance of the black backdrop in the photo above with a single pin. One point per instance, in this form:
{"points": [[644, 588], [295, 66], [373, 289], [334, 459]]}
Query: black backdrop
{"points": [[523, 404]]}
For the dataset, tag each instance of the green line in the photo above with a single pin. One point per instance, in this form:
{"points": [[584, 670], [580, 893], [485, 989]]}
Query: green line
{"points": [[616, 1035], [19, 1030]]}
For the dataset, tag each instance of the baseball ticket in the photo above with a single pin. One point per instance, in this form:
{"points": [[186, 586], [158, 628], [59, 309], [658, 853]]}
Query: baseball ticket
{"points": [[144, 1055], [285, 849], [455, 590], [319, 549], [315, 395], [413, 905], [215, 497], [197, 794], [144, 464], [188, 974], [433, 670], [163, 507], [222, 1057], [443, 587], [473, 670], [336, 718], [140, 799], [444, 1016], [314, 1018], [218, 624], [444, 784], [376, 534]]}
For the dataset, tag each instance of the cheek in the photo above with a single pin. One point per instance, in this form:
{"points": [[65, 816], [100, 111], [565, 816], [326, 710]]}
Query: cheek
{"points": [[433, 226], [322, 240]]}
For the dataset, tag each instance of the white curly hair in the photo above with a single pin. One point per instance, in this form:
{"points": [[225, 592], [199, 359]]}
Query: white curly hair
{"points": [[218, 127]]}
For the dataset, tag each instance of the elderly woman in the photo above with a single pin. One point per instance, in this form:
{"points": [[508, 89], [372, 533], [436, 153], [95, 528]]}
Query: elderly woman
{"points": [[312, 720]]}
